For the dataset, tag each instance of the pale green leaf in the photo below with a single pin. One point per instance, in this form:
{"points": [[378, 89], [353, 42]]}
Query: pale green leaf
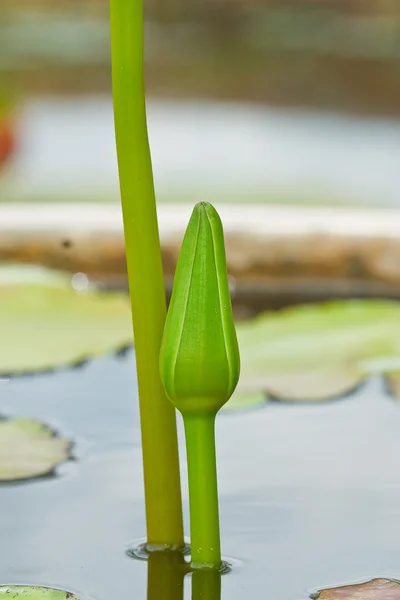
{"points": [[46, 323], [317, 352], [245, 399], [29, 449]]}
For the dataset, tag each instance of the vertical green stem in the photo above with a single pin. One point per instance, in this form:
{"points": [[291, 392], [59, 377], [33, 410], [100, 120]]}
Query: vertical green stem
{"points": [[145, 274], [203, 490]]}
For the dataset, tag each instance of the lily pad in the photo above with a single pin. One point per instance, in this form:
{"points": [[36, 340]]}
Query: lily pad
{"points": [[245, 399], [312, 385], [46, 323], [317, 352], [33, 593], [377, 589], [29, 449]]}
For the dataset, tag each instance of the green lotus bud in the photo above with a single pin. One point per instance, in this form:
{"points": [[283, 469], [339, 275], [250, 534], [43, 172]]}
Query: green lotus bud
{"points": [[199, 359]]}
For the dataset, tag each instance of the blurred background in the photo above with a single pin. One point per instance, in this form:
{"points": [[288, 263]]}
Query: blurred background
{"points": [[249, 101]]}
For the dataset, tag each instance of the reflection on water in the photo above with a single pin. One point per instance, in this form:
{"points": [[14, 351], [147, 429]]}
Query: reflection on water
{"points": [[208, 149], [309, 495], [165, 576], [206, 585]]}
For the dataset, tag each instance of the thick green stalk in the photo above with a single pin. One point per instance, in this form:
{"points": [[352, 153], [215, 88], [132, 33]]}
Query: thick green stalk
{"points": [[203, 490], [145, 274]]}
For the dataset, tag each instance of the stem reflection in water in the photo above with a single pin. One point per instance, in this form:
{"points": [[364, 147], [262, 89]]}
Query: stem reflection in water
{"points": [[206, 584], [166, 574]]}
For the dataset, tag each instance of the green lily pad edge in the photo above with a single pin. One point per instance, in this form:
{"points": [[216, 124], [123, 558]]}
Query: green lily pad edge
{"points": [[319, 352], [29, 449], [49, 322], [27, 592]]}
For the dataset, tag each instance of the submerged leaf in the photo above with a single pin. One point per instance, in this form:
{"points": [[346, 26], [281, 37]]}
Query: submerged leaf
{"points": [[377, 589], [26, 592], [46, 323], [29, 449]]}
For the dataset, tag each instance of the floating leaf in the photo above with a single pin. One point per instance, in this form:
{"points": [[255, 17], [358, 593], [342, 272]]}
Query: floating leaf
{"points": [[245, 399], [309, 386], [29, 449], [377, 589], [45, 323], [33, 593], [317, 352]]}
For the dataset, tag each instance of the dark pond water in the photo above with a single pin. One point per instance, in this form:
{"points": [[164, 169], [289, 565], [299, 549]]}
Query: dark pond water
{"points": [[310, 495]]}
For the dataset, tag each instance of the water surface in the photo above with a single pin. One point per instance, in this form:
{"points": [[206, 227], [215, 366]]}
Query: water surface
{"points": [[310, 495]]}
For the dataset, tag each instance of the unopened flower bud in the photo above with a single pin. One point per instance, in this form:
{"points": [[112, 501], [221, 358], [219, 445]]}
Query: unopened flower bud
{"points": [[199, 358]]}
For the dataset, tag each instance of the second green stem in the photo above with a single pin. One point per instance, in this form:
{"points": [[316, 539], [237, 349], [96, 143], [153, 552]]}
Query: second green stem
{"points": [[203, 490]]}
